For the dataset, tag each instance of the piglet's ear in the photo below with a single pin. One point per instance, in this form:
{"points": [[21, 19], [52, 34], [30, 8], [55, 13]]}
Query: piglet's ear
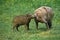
{"points": [[29, 15]]}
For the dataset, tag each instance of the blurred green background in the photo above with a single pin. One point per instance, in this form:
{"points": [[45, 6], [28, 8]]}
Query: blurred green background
{"points": [[11, 8]]}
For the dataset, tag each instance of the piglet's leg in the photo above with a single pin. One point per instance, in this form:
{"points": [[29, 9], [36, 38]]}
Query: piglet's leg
{"points": [[27, 26], [17, 27], [14, 25], [36, 23]]}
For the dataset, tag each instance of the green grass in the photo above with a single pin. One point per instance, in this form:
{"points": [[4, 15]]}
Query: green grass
{"points": [[11, 8]]}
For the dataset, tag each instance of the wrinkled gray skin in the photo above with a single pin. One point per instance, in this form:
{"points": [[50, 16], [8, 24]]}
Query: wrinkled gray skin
{"points": [[22, 20], [44, 14]]}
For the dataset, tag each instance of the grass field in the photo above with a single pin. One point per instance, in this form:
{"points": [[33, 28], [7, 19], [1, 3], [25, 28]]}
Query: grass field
{"points": [[11, 8]]}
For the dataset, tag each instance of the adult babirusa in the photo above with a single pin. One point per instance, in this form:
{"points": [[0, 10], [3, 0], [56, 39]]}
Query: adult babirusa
{"points": [[44, 14]]}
